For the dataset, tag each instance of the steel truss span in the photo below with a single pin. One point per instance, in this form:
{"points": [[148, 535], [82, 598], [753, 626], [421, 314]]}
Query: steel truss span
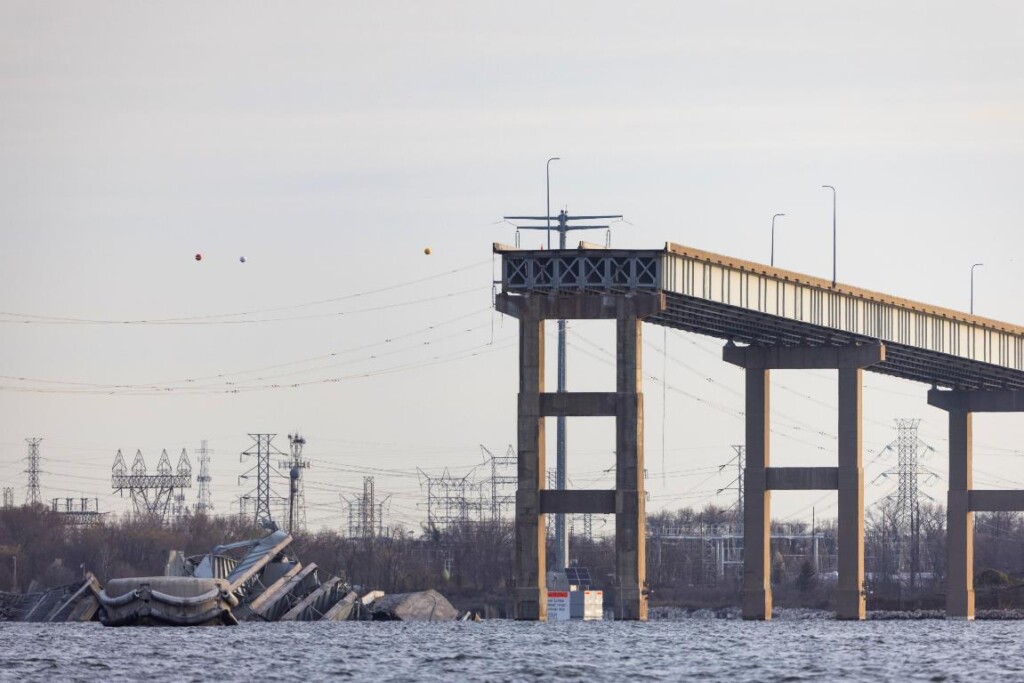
{"points": [[751, 303]]}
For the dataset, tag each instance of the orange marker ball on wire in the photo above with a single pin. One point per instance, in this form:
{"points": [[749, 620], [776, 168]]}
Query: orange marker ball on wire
{"points": [[199, 257], [427, 251]]}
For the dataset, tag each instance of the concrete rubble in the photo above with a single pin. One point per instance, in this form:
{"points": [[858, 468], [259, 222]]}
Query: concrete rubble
{"points": [[258, 580]]}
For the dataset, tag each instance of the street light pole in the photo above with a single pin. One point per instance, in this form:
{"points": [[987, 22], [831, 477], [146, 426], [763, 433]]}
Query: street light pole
{"points": [[561, 464], [561, 537], [773, 237], [833, 233], [972, 285], [548, 213]]}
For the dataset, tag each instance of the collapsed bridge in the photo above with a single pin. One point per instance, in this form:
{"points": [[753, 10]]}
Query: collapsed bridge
{"points": [[771, 319]]}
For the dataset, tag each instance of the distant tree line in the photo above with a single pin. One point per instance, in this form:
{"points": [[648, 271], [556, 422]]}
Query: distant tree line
{"points": [[693, 557]]}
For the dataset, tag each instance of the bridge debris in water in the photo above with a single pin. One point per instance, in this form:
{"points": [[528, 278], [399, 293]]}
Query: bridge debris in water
{"points": [[256, 580]]}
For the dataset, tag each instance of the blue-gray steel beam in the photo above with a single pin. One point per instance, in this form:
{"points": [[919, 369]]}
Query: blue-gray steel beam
{"points": [[596, 502], [960, 519], [757, 587], [531, 551], [802, 478], [995, 501]]}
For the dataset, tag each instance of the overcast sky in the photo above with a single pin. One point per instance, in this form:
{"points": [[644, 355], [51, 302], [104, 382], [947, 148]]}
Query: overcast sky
{"points": [[330, 143]]}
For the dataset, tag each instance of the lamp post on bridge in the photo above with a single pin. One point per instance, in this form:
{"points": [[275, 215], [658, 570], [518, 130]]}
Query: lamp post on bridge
{"points": [[833, 233], [548, 185], [972, 285], [772, 263]]}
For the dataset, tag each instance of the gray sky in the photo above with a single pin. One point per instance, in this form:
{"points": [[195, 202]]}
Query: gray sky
{"points": [[329, 143]]}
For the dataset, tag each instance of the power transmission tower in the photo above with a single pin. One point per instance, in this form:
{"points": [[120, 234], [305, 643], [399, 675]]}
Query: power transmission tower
{"points": [[551, 529], [563, 227], [296, 463], [263, 495], [503, 482], [365, 514], [204, 501], [32, 495], [446, 500], [739, 460], [78, 511], [151, 494], [8, 497], [369, 507], [908, 472]]}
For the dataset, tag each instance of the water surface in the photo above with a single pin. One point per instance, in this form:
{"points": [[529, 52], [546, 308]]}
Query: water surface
{"points": [[707, 649]]}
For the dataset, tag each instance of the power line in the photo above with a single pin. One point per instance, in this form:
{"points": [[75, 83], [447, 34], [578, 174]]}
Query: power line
{"points": [[50, 319], [160, 385], [234, 388]]}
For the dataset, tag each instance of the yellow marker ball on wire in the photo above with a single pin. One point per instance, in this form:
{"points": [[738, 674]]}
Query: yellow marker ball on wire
{"points": [[427, 251]]}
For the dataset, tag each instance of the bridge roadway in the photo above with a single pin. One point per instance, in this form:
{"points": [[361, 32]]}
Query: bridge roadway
{"points": [[771, 319], [751, 303]]}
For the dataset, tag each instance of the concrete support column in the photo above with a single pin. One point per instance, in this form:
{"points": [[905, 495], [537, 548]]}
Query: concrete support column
{"points": [[850, 589], [630, 505], [757, 588], [960, 519], [530, 553]]}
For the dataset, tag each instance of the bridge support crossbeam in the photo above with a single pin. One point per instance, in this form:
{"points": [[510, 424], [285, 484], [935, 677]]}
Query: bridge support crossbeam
{"points": [[963, 501], [760, 479], [627, 501]]}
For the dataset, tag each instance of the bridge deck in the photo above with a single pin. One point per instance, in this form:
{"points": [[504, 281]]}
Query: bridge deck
{"points": [[751, 303]]}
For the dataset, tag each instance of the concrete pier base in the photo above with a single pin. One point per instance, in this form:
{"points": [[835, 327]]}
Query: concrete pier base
{"points": [[760, 479], [628, 499], [962, 501], [850, 603]]}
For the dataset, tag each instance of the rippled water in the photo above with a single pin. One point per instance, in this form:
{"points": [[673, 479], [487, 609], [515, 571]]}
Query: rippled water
{"points": [[503, 650]]}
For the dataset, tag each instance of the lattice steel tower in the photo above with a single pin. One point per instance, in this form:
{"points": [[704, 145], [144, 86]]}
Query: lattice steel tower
{"points": [[32, 495], [365, 514], [739, 460], [447, 504], [151, 493], [502, 483], [908, 471], [264, 494], [297, 462], [8, 497], [204, 502]]}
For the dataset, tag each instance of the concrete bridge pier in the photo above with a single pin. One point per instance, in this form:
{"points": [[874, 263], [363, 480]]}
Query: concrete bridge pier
{"points": [[963, 500], [530, 527], [625, 404], [760, 479]]}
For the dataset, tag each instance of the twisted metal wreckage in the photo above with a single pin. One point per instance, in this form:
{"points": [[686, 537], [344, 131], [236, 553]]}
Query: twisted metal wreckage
{"points": [[266, 583]]}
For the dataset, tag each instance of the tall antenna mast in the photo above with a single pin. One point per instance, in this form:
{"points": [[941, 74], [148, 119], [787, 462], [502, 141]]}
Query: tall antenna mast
{"points": [[294, 466], [563, 227]]}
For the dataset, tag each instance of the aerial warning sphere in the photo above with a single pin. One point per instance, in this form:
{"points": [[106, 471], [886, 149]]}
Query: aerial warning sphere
{"points": [[199, 257], [241, 259], [427, 251]]}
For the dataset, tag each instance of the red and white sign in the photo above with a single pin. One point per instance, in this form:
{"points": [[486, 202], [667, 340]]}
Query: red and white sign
{"points": [[558, 606]]}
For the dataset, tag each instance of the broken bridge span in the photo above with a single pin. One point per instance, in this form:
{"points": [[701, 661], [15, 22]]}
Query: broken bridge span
{"points": [[770, 319]]}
